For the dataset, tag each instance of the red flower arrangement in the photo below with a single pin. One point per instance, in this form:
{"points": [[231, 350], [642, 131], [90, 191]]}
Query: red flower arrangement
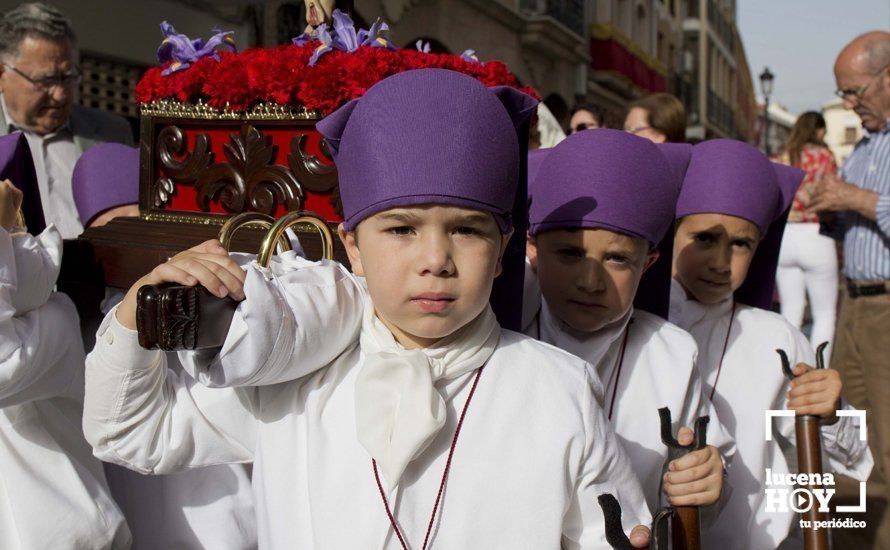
{"points": [[282, 75]]}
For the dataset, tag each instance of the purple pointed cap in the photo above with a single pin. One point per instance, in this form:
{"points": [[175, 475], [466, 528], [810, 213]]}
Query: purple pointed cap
{"points": [[654, 291], [759, 285], [605, 179], [734, 178], [428, 136], [535, 158], [727, 176], [105, 176], [17, 165]]}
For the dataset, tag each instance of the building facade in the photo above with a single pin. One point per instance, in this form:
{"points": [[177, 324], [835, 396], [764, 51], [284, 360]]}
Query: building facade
{"points": [[843, 129], [720, 93], [771, 139]]}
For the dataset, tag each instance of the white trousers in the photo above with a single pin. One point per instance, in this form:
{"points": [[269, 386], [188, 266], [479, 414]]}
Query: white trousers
{"points": [[808, 268]]}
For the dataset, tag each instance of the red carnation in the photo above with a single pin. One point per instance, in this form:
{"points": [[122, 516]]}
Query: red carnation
{"points": [[282, 75], [227, 86]]}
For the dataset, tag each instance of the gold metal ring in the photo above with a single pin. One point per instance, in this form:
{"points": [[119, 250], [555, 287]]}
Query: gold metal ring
{"points": [[248, 219], [289, 220]]}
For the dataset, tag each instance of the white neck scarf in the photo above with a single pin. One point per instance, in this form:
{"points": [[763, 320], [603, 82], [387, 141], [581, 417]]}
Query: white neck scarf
{"points": [[593, 348], [398, 410]]}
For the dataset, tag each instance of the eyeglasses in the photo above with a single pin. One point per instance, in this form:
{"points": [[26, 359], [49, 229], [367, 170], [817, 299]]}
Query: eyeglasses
{"points": [[860, 91], [637, 130], [45, 84], [584, 126]]}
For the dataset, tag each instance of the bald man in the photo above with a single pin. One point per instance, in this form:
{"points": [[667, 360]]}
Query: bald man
{"points": [[862, 197]]}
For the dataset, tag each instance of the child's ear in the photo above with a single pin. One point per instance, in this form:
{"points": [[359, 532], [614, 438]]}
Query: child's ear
{"points": [[531, 251], [505, 239], [651, 258], [350, 243]]}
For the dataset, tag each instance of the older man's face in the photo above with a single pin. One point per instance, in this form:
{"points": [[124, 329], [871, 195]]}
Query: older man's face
{"points": [[38, 110], [872, 104]]}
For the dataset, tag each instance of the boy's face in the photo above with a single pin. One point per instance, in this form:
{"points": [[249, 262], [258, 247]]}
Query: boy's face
{"points": [[429, 268], [589, 276], [712, 254]]}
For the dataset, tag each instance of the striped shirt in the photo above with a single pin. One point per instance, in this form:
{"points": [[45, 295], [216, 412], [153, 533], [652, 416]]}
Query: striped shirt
{"points": [[866, 242]]}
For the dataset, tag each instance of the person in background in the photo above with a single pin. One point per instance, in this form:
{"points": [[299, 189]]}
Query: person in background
{"points": [[548, 133], [39, 77], [53, 492], [658, 117], [208, 507], [861, 194], [808, 260], [586, 116]]}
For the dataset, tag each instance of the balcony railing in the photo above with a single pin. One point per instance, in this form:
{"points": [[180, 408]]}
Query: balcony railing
{"points": [[568, 12], [721, 26], [720, 113]]}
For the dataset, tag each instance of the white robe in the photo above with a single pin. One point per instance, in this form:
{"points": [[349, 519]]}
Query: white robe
{"points": [[751, 382], [534, 452], [658, 371], [208, 507], [53, 492]]}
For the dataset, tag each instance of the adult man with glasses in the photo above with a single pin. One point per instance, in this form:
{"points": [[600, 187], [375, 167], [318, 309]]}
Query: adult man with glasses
{"points": [[39, 78], [862, 196]]}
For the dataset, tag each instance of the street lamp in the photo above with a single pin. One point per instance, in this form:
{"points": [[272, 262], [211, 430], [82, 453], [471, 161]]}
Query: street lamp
{"points": [[766, 88]]}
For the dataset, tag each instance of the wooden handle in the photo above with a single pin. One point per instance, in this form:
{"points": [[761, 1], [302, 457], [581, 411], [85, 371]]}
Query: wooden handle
{"points": [[809, 461], [686, 533]]}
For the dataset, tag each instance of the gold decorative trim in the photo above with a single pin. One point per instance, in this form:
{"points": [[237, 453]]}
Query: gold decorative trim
{"points": [[200, 110], [205, 219], [215, 219]]}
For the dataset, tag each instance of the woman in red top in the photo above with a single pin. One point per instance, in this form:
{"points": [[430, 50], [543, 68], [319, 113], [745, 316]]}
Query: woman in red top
{"points": [[808, 261]]}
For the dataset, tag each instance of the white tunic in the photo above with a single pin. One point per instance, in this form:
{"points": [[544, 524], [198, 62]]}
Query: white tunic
{"points": [[208, 507], [751, 381], [534, 452], [657, 370], [52, 491]]}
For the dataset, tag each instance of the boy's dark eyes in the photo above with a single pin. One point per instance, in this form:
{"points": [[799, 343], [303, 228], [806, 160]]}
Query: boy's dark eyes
{"points": [[741, 243], [400, 230], [705, 238], [466, 230], [569, 252], [617, 258]]}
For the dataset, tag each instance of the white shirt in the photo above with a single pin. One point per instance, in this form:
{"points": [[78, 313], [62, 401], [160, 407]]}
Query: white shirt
{"points": [[53, 492], [657, 370], [534, 452], [751, 381], [54, 157], [208, 507]]}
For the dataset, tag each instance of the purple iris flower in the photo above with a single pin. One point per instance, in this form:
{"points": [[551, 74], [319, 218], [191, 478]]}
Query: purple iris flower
{"points": [[470, 55], [345, 38], [376, 36], [181, 51], [304, 38]]}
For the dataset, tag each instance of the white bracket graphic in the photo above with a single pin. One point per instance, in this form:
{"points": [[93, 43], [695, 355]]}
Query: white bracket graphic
{"points": [[768, 421], [863, 431], [863, 436]]}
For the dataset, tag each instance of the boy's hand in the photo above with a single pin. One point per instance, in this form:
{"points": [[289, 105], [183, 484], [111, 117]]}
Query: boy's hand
{"points": [[207, 264], [695, 479], [816, 392], [639, 537], [10, 203]]}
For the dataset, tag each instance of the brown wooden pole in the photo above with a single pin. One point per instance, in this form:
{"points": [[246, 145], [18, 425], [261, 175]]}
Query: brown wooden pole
{"points": [[809, 461], [685, 528]]}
